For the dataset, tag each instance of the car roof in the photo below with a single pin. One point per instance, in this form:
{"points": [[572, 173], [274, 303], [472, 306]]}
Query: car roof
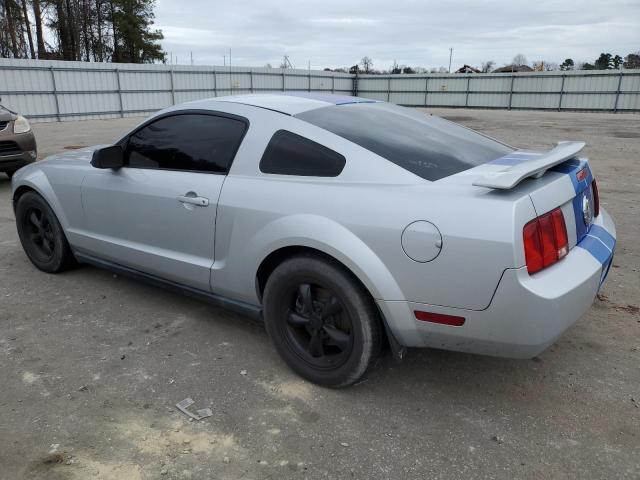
{"points": [[292, 103]]}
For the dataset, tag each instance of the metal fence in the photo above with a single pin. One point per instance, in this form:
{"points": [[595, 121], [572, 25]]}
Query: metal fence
{"points": [[55, 90], [613, 91]]}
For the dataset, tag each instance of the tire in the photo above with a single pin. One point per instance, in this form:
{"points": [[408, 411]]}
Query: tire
{"points": [[41, 235], [336, 344]]}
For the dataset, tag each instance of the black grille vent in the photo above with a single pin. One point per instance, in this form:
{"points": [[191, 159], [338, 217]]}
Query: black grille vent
{"points": [[9, 148], [3, 125]]}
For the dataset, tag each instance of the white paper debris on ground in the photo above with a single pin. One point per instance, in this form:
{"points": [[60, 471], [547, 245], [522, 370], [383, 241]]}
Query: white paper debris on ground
{"points": [[184, 405]]}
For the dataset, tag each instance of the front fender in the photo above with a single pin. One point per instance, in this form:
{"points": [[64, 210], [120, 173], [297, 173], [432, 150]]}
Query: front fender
{"points": [[34, 178]]}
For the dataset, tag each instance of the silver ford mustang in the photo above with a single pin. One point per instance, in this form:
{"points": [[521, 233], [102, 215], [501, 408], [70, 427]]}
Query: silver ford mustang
{"points": [[348, 225]]}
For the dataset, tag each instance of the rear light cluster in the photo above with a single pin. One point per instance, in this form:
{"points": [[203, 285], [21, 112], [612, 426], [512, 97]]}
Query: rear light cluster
{"points": [[596, 198], [545, 240]]}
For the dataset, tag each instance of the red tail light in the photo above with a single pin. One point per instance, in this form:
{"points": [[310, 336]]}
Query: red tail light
{"points": [[596, 198], [545, 240]]}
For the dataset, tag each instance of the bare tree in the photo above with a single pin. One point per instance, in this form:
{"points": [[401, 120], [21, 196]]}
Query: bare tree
{"points": [[27, 28], [488, 66], [37, 15], [519, 60], [367, 64]]}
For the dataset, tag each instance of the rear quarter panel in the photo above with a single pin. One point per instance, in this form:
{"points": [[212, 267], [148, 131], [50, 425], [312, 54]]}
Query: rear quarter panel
{"points": [[359, 217]]}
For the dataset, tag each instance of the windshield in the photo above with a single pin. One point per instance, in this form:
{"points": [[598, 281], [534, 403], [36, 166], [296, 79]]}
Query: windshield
{"points": [[426, 145]]}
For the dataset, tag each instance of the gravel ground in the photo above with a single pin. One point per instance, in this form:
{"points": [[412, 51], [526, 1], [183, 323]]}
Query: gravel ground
{"points": [[92, 365]]}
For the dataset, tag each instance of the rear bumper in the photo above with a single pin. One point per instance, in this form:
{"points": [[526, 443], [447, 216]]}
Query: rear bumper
{"points": [[527, 313]]}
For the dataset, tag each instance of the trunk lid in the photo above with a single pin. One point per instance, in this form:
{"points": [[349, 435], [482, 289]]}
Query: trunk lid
{"points": [[557, 178]]}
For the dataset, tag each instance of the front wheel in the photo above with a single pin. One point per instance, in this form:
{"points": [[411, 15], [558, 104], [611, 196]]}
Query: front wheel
{"points": [[41, 234], [321, 320]]}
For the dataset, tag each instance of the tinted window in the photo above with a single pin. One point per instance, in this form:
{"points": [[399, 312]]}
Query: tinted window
{"points": [[425, 145], [204, 143], [291, 154]]}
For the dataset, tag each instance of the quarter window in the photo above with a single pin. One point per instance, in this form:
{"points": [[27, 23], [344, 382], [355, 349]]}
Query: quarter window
{"points": [[193, 142], [291, 154]]}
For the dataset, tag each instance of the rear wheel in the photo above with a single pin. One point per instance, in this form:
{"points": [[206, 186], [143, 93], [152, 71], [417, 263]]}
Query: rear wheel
{"points": [[41, 235], [321, 321]]}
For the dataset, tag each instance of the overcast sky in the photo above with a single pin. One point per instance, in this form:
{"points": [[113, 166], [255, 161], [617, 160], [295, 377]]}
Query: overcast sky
{"points": [[335, 33]]}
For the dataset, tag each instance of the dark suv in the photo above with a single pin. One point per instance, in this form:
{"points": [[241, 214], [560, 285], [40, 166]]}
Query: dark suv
{"points": [[17, 142]]}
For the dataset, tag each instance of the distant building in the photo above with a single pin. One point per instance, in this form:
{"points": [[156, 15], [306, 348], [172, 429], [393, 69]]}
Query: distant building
{"points": [[513, 68], [467, 69]]}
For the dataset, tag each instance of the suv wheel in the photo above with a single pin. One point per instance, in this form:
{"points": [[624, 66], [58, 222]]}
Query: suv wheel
{"points": [[322, 322], [41, 235]]}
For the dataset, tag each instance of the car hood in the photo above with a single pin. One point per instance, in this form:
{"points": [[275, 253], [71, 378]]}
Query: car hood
{"points": [[83, 155], [6, 115]]}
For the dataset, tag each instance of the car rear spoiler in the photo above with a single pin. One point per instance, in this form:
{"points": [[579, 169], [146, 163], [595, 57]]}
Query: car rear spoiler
{"points": [[536, 167]]}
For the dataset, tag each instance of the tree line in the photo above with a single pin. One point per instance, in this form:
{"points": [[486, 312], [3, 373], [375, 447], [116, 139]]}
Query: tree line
{"points": [[81, 30], [605, 61]]}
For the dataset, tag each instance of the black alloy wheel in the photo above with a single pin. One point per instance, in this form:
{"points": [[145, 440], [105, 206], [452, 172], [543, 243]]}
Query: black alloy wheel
{"points": [[322, 321], [318, 327], [39, 231], [41, 234]]}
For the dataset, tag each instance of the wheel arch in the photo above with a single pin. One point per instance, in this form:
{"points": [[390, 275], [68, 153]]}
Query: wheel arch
{"points": [[276, 257], [37, 181]]}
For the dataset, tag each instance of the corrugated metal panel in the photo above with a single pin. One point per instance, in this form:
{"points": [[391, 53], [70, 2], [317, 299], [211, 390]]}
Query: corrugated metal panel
{"points": [[296, 82], [447, 84], [146, 100], [629, 101], [32, 104], [529, 100], [538, 83], [484, 83], [446, 99], [407, 98], [407, 83], [96, 102], [488, 100], [585, 101]]}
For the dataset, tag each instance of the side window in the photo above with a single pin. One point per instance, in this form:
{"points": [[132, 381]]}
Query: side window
{"points": [[195, 142], [291, 154]]}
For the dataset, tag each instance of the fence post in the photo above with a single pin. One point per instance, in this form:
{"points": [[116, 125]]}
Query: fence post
{"points": [[173, 91], [55, 92], [615, 106], [119, 92], [251, 80], [389, 88], [426, 90], [354, 85], [333, 83], [309, 80], [511, 90], [215, 84], [466, 98], [284, 79], [561, 91]]}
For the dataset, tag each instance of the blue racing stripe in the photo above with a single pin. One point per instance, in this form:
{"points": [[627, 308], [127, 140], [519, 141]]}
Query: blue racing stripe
{"points": [[330, 98], [514, 158], [596, 248], [605, 237]]}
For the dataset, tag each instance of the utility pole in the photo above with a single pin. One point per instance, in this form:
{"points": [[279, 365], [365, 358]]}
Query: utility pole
{"points": [[191, 53], [224, 59], [450, 55]]}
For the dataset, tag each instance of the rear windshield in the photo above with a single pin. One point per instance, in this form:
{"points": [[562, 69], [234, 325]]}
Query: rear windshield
{"points": [[426, 145]]}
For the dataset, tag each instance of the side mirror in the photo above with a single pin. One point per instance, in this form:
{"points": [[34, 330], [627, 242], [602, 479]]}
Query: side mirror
{"points": [[108, 157]]}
